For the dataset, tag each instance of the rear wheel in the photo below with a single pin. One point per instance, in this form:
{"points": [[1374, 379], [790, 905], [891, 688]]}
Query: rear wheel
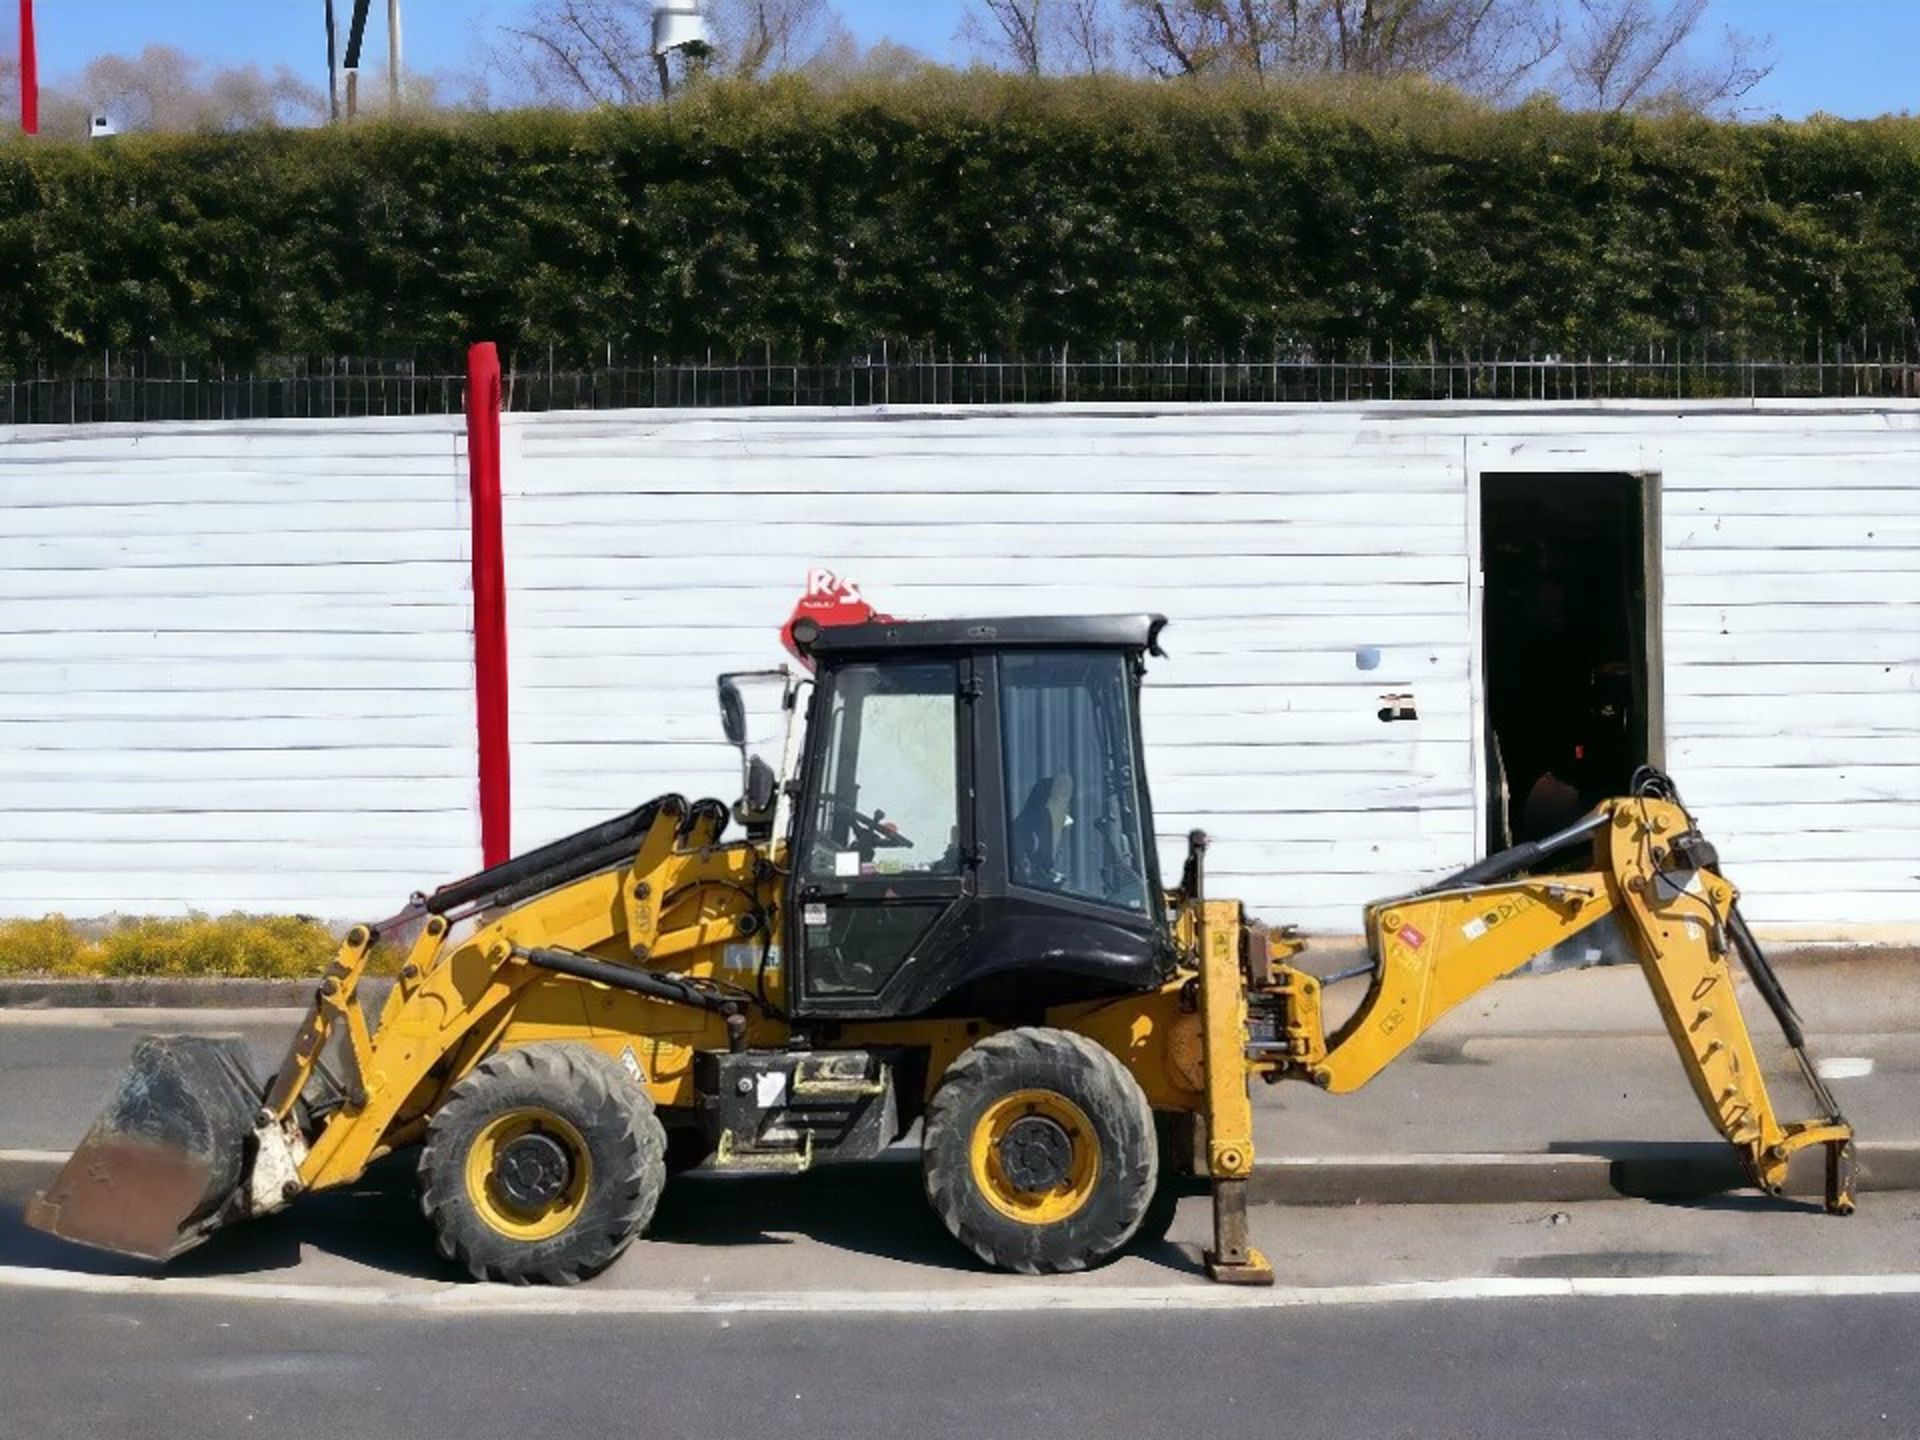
{"points": [[1039, 1151], [542, 1164]]}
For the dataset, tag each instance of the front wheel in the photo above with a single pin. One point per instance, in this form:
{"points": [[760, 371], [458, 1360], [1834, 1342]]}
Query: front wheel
{"points": [[1039, 1151], [542, 1164]]}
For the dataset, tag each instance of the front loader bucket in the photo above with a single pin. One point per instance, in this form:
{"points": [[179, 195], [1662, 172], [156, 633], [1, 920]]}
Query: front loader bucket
{"points": [[165, 1164]]}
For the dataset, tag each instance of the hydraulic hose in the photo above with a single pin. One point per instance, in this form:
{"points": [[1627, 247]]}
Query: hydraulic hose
{"points": [[553, 863]]}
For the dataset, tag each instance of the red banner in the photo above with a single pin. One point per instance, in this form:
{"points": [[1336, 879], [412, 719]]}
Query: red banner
{"points": [[29, 72]]}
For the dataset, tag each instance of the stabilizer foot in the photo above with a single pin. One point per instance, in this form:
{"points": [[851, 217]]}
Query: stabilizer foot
{"points": [[1840, 1177], [1251, 1269], [1232, 1260]]}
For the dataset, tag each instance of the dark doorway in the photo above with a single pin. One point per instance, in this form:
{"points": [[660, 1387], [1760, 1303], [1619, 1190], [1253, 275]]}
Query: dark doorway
{"points": [[1572, 700]]}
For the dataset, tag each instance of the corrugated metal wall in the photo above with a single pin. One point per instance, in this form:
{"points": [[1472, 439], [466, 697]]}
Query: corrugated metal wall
{"points": [[214, 636], [235, 667]]}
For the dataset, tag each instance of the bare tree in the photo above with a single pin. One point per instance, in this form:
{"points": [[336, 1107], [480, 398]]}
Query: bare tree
{"points": [[1597, 54], [1088, 33], [1009, 29], [846, 64], [1640, 54], [166, 89], [583, 51], [1486, 46], [600, 52], [1042, 36], [755, 37]]}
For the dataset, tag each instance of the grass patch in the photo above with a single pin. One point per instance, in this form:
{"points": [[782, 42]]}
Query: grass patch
{"points": [[255, 947]]}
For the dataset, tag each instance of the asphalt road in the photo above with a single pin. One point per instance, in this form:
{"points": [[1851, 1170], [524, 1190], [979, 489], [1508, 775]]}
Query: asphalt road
{"points": [[75, 1366]]}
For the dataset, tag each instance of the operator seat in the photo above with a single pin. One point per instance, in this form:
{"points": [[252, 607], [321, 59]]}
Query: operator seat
{"points": [[1039, 829]]}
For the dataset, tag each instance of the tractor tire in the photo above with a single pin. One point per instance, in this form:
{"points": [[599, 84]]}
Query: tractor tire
{"points": [[1039, 1152], [542, 1165]]}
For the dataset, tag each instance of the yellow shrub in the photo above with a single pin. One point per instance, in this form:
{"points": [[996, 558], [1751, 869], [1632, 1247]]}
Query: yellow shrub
{"points": [[41, 947], [250, 946], [258, 947]]}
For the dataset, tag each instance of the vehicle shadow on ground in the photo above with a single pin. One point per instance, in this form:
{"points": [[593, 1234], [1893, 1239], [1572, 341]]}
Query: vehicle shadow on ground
{"points": [[375, 1222], [875, 1208], [1694, 1174]]}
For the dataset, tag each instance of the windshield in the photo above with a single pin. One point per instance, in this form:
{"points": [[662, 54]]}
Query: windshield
{"points": [[888, 799]]}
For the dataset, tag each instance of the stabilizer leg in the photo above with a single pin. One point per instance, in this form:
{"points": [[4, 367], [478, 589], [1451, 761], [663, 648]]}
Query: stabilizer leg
{"points": [[1233, 1260]]}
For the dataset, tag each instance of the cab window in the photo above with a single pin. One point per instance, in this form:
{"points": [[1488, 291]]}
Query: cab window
{"points": [[1072, 777], [889, 793]]}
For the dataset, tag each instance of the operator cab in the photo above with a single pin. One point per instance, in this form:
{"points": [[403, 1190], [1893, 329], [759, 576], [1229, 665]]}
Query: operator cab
{"points": [[973, 832]]}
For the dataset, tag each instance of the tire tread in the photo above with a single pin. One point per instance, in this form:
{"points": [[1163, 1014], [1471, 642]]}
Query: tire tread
{"points": [[972, 1080], [615, 1109]]}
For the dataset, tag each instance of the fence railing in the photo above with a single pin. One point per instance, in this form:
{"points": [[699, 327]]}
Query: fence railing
{"points": [[146, 389]]}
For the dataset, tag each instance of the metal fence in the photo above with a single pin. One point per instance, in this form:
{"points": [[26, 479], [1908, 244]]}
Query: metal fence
{"points": [[147, 389]]}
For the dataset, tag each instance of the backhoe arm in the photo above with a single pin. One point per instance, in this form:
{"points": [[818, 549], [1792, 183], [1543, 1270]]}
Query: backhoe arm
{"points": [[1660, 879]]}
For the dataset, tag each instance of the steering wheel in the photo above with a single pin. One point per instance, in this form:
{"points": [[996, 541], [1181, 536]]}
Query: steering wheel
{"points": [[872, 832]]}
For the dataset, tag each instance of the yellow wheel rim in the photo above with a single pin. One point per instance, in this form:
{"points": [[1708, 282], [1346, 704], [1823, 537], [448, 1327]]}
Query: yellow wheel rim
{"points": [[520, 1218], [1035, 1156]]}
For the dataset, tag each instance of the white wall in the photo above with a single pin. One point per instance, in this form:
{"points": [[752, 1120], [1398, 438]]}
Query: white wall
{"points": [[648, 550], [235, 663], [645, 552], [235, 667], [1792, 638]]}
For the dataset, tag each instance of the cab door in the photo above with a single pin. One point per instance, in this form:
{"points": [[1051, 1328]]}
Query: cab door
{"points": [[884, 856]]}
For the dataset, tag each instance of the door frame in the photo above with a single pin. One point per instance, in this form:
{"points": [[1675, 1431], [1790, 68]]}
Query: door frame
{"points": [[958, 892], [1606, 455]]}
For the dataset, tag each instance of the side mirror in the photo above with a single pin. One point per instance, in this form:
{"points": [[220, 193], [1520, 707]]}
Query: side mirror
{"points": [[733, 714], [756, 805], [761, 783]]}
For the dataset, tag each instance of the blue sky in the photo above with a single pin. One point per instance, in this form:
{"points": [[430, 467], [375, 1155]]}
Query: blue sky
{"points": [[1849, 57]]}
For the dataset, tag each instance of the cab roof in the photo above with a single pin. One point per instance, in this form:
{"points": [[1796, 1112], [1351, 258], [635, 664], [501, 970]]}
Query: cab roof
{"points": [[1023, 632]]}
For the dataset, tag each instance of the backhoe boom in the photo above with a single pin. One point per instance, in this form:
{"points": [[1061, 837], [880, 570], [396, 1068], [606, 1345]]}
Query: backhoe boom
{"points": [[1656, 875]]}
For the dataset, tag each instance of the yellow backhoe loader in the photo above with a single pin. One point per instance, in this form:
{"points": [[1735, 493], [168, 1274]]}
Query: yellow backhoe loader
{"points": [[944, 907]]}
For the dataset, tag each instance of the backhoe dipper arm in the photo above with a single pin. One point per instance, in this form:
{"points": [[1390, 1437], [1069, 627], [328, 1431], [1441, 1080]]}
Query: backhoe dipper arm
{"points": [[1654, 872]]}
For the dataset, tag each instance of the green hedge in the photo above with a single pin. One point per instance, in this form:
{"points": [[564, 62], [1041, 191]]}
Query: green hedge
{"points": [[966, 211]]}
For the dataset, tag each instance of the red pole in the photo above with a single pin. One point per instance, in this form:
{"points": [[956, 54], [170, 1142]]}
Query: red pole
{"points": [[29, 72], [489, 603]]}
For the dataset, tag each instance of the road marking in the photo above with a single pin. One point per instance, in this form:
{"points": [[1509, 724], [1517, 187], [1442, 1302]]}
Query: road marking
{"points": [[1844, 1067], [33, 1157], [1054, 1296]]}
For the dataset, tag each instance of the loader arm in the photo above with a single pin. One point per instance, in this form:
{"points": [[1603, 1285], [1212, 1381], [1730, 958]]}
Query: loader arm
{"points": [[526, 951], [1651, 870]]}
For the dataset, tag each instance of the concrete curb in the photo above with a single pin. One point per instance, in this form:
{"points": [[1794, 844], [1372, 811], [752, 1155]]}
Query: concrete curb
{"points": [[1657, 1172], [160, 992]]}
